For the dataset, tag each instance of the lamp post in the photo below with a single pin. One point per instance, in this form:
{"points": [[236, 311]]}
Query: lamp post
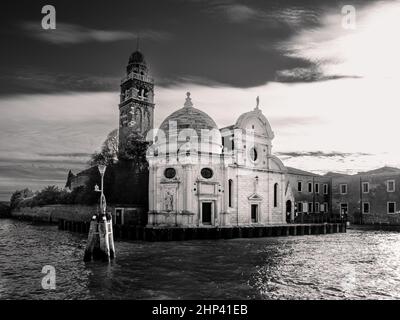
{"points": [[100, 242], [103, 204]]}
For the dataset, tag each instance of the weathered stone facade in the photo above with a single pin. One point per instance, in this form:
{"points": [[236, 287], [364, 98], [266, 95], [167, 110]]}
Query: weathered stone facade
{"points": [[196, 182], [136, 108]]}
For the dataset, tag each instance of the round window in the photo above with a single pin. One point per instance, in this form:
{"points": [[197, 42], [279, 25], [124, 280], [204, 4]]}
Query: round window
{"points": [[206, 173], [170, 173], [253, 154]]}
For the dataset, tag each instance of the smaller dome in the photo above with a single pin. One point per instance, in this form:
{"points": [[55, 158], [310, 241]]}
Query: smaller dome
{"points": [[256, 113], [137, 57]]}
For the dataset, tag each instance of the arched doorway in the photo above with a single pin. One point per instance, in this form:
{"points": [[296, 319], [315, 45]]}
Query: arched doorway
{"points": [[288, 211]]}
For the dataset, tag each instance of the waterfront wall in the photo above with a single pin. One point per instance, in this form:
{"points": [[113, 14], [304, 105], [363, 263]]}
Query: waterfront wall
{"points": [[4, 210], [130, 232], [78, 213]]}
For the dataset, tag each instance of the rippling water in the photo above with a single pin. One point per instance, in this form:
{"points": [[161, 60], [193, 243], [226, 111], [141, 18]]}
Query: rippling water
{"points": [[356, 265]]}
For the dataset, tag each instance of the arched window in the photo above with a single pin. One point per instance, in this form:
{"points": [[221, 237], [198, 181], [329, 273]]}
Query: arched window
{"points": [[275, 195], [230, 189]]}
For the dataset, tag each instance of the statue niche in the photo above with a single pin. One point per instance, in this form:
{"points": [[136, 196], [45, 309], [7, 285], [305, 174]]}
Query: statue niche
{"points": [[169, 201]]}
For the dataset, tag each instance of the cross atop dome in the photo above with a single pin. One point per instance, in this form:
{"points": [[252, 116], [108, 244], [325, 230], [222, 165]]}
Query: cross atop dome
{"points": [[188, 102]]}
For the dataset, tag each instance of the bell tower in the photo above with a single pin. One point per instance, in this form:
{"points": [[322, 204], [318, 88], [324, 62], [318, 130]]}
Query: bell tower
{"points": [[136, 107]]}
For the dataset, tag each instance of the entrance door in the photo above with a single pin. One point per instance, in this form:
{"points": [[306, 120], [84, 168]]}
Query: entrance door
{"points": [[288, 210], [206, 212], [254, 213], [343, 210], [118, 216]]}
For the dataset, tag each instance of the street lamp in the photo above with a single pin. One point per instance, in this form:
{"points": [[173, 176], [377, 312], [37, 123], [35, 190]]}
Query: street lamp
{"points": [[103, 204]]}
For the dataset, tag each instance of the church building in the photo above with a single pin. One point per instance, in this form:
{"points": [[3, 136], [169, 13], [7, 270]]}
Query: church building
{"points": [[201, 175]]}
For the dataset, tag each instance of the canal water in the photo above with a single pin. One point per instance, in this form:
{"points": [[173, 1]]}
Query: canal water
{"points": [[355, 265]]}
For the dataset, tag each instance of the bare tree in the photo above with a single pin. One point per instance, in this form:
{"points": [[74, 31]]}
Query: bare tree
{"points": [[109, 151]]}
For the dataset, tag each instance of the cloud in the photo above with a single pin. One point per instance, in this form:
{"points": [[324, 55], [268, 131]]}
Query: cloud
{"points": [[66, 33], [270, 16], [239, 12], [31, 80], [311, 74], [369, 50], [320, 154], [65, 154]]}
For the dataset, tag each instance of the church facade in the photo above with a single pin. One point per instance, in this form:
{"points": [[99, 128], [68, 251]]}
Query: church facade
{"points": [[201, 175]]}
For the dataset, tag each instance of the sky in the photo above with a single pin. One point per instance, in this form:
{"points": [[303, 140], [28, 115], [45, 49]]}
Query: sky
{"points": [[329, 89]]}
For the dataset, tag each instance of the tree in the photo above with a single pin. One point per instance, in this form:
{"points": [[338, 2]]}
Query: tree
{"points": [[135, 151], [69, 179], [49, 195], [109, 151], [20, 195]]}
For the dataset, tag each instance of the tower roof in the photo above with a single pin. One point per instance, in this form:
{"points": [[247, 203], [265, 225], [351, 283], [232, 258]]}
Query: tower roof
{"points": [[137, 57]]}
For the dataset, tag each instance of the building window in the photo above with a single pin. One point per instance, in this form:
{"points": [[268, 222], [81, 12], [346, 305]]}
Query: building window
{"points": [[325, 188], [365, 207], [170, 173], [299, 207], [316, 207], [343, 188], [206, 173], [310, 187], [275, 195], [230, 189], [391, 207], [310, 207], [316, 188], [390, 186], [253, 154], [299, 186], [326, 207], [365, 187], [254, 213]]}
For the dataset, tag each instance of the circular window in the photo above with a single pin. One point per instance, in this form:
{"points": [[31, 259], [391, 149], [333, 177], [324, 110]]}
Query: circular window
{"points": [[170, 173], [253, 154], [206, 173]]}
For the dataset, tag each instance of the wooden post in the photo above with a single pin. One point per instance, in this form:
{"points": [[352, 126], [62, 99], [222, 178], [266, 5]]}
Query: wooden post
{"points": [[100, 243]]}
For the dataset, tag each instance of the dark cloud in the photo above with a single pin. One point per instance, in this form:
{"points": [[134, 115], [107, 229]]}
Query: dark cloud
{"points": [[311, 74], [229, 43], [31, 81], [66, 33]]}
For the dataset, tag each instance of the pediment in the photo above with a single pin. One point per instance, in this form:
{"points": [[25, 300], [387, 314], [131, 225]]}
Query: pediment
{"points": [[255, 197]]}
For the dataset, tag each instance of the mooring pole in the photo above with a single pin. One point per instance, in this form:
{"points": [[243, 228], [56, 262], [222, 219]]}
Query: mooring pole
{"points": [[100, 243]]}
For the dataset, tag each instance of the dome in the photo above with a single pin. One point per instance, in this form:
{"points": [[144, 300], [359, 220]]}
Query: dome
{"points": [[137, 57], [189, 117]]}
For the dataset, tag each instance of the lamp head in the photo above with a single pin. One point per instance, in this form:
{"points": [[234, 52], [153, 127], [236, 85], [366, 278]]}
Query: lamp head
{"points": [[102, 168]]}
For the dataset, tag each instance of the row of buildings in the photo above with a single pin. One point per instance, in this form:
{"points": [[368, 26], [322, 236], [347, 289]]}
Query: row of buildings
{"points": [[371, 197], [197, 174]]}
